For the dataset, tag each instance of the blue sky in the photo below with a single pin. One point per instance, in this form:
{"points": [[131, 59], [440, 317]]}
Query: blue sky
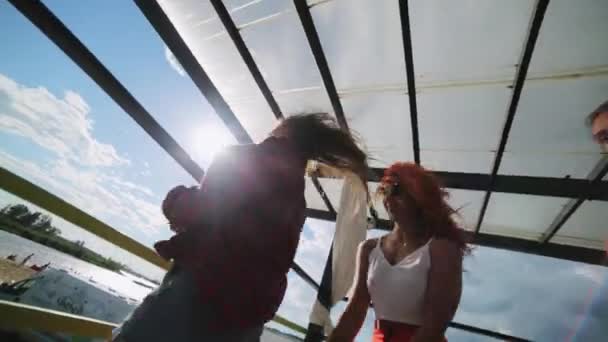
{"points": [[59, 130]]}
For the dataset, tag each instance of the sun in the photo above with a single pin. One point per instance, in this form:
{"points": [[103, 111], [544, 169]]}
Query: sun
{"points": [[207, 140]]}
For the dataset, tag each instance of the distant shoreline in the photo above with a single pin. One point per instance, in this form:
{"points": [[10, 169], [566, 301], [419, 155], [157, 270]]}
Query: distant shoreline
{"points": [[38, 228]]}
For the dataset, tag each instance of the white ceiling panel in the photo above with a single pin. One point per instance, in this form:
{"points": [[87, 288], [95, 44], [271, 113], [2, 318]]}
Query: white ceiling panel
{"points": [[468, 204], [308, 100], [383, 123], [550, 123], [551, 115], [218, 56], [313, 198], [457, 161], [333, 189], [521, 216], [587, 227], [281, 52], [248, 13], [255, 115], [462, 118], [572, 38], [362, 42], [467, 40]]}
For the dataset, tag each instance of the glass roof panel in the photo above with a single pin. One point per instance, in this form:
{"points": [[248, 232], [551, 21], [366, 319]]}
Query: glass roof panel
{"points": [[586, 227], [522, 216], [550, 127], [362, 42], [150, 72], [249, 13], [457, 42], [282, 53], [383, 123], [215, 51], [305, 100], [459, 161], [59, 130], [468, 204], [581, 25], [462, 119]]}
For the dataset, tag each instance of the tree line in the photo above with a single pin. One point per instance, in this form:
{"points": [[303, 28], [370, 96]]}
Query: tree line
{"points": [[33, 225]]}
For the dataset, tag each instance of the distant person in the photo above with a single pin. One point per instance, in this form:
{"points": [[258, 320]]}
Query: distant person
{"points": [[413, 275], [237, 235], [598, 120]]}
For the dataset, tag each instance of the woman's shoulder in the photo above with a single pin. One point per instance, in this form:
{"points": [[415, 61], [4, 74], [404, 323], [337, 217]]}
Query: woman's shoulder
{"points": [[368, 245]]}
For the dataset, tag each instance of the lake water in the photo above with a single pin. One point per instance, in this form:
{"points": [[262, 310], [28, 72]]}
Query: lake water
{"points": [[122, 283]]}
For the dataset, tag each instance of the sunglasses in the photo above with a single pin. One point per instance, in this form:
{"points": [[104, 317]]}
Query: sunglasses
{"points": [[391, 189]]}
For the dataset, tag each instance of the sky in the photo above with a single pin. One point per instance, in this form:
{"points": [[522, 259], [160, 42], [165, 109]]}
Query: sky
{"points": [[59, 130]]}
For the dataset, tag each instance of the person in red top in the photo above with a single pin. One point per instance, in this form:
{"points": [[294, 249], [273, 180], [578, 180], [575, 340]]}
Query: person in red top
{"points": [[237, 235]]}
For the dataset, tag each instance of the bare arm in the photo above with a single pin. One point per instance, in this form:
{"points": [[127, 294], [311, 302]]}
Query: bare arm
{"points": [[352, 319], [443, 291]]}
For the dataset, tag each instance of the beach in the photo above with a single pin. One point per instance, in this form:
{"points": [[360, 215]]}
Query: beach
{"points": [[10, 271]]}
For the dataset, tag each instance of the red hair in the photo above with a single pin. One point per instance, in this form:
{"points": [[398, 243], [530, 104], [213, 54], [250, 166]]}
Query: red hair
{"points": [[435, 214]]}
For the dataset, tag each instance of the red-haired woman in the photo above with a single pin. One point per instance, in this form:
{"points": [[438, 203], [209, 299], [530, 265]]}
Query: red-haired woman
{"points": [[413, 275]]}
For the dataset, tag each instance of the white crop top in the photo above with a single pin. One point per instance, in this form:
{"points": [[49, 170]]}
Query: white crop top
{"points": [[397, 291]]}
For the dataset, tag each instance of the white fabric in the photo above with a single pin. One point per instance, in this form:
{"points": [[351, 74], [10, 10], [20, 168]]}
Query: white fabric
{"points": [[351, 225], [397, 291]]}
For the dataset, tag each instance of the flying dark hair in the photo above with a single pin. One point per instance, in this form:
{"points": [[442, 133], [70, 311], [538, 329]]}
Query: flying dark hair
{"points": [[318, 137]]}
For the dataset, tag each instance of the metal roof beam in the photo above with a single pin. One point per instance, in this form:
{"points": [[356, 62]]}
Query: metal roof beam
{"points": [[165, 29], [522, 71], [317, 51], [411, 78], [525, 185], [233, 32], [580, 254]]}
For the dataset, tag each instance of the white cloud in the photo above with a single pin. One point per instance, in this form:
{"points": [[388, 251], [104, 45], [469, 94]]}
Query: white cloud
{"points": [[314, 245], [61, 126], [124, 205], [173, 62], [78, 168]]}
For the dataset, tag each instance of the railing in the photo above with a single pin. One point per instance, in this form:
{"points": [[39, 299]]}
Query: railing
{"points": [[19, 317]]}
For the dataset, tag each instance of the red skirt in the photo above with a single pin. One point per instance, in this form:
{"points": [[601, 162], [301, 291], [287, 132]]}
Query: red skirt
{"points": [[388, 331]]}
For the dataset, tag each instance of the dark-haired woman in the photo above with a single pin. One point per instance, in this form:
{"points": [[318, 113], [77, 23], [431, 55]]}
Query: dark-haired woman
{"points": [[412, 275], [237, 235]]}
